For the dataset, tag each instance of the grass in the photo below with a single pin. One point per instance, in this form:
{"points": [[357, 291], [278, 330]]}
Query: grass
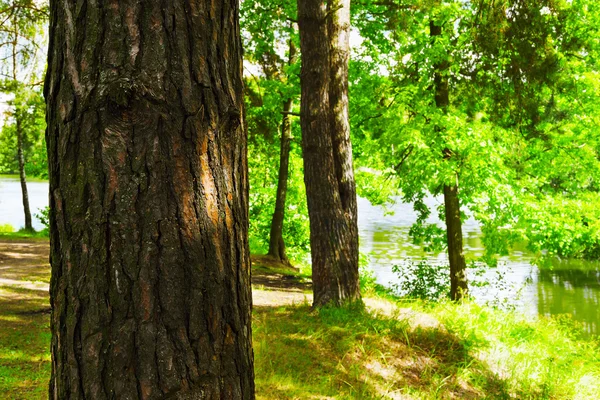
{"points": [[351, 353], [546, 358], [391, 349], [24, 344], [7, 232], [475, 352], [267, 264]]}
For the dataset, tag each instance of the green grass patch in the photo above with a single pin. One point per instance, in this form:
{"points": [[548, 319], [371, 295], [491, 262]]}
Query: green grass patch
{"points": [[545, 358], [24, 344], [24, 234], [350, 353], [476, 352], [6, 228]]}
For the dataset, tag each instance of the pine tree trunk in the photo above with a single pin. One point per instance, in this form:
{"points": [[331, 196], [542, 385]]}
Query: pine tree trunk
{"points": [[338, 29], [458, 278], [150, 286], [276, 242], [22, 175], [327, 153]]}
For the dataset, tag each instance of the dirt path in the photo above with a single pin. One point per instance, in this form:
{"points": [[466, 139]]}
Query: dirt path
{"points": [[24, 265]]}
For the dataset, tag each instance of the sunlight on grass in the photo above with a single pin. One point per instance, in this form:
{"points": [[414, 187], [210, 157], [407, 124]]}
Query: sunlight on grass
{"points": [[545, 358], [41, 236], [24, 343], [24, 356], [6, 228]]}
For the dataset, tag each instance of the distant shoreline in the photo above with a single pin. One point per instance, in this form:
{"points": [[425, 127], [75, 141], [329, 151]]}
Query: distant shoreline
{"points": [[15, 177]]}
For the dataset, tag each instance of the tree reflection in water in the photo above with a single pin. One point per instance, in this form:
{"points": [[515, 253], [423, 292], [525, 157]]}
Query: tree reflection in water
{"points": [[574, 291]]}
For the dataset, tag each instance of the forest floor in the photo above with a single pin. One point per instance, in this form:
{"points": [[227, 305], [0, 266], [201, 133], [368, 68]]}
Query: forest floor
{"points": [[387, 349]]}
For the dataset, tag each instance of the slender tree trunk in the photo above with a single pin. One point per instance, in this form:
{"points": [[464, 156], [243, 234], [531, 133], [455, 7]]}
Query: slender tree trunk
{"points": [[327, 153], [150, 287], [22, 175], [276, 242], [458, 278], [19, 128]]}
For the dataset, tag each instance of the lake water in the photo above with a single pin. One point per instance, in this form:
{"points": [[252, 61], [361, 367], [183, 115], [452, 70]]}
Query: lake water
{"points": [[11, 201], [562, 287]]}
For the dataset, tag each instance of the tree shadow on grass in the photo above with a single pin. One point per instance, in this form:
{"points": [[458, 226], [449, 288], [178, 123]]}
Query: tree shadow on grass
{"points": [[285, 283], [24, 379], [24, 343], [350, 353], [273, 275], [16, 300], [25, 261]]}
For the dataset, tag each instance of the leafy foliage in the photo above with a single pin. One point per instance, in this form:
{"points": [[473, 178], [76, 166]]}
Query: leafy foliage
{"points": [[29, 106], [43, 215], [519, 127], [272, 78], [422, 280], [22, 52]]}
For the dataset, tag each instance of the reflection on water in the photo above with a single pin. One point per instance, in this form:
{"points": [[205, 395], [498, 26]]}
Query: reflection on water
{"points": [[11, 201], [558, 287], [571, 291]]}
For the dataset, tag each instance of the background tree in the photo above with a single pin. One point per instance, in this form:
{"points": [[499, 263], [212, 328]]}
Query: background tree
{"points": [[328, 170], [150, 286], [544, 65], [272, 90], [20, 32], [30, 104], [456, 257], [511, 69]]}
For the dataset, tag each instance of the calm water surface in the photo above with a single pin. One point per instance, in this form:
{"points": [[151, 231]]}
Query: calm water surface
{"points": [[562, 287], [11, 201]]}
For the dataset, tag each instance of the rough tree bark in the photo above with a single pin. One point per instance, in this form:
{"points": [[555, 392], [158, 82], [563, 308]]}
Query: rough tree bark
{"points": [[456, 257], [276, 242], [327, 153], [150, 287]]}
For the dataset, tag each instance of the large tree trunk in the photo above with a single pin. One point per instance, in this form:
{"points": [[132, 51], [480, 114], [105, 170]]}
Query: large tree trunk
{"points": [[150, 287], [276, 242], [327, 153], [458, 278], [338, 29], [22, 175]]}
